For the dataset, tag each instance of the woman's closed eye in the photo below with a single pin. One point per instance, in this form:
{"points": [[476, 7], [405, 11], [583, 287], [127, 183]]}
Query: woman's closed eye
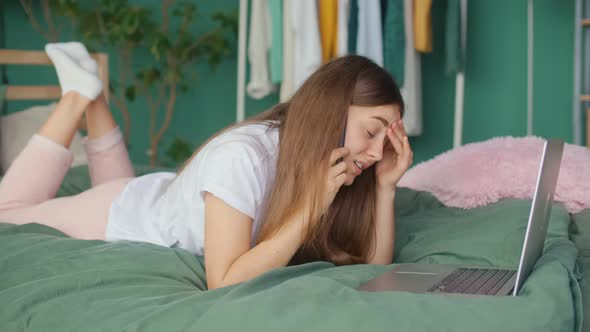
{"points": [[371, 135]]}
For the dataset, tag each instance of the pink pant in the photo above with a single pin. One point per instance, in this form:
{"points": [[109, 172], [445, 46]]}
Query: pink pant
{"points": [[27, 191]]}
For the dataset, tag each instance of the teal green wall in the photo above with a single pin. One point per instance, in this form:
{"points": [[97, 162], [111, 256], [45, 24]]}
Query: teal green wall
{"points": [[495, 84]]}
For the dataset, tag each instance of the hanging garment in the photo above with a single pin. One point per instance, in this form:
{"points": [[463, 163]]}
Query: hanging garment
{"points": [[454, 63], [353, 25], [287, 86], [259, 42], [307, 51], [342, 33], [412, 88], [383, 4], [369, 42], [394, 40], [328, 28], [423, 25], [276, 48]]}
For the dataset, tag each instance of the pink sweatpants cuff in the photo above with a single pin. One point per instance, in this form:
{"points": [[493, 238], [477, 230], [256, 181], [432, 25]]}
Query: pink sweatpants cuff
{"points": [[104, 142], [51, 148]]}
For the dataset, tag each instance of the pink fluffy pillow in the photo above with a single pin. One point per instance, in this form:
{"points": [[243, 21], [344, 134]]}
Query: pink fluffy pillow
{"points": [[481, 173]]}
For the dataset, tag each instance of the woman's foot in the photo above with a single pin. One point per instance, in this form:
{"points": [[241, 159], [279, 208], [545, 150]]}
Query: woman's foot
{"points": [[78, 52], [73, 75]]}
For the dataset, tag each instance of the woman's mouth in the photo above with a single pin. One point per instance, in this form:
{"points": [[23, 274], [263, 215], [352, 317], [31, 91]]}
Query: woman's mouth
{"points": [[359, 167]]}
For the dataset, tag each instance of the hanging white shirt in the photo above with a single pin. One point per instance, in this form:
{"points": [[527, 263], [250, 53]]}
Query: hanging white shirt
{"points": [[307, 47], [369, 39], [342, 32], [412, 89], [259, 43], [287, 86]]}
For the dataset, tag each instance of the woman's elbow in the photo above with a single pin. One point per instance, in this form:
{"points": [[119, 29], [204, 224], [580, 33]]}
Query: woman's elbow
{"points": [[214, 283], [219, 283], [381, 260]]}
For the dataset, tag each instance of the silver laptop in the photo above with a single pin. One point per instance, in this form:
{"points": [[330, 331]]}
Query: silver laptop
{"points": [[453, 279]]}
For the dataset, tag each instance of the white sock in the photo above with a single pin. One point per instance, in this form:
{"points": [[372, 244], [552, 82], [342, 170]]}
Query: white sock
{"points": [[72, 77], [78, 52]]}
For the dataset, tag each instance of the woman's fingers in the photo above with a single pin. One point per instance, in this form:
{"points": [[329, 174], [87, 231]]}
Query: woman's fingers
{"points": [[407, 148], [337, 173], [401, 144], [398, 130], [337, 169], [402, 128], [337, 154], [408, 154], [395, 141], [340, 180]]}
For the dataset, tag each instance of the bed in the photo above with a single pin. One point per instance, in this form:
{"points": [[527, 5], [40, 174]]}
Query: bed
{"points": [[50, 281]]}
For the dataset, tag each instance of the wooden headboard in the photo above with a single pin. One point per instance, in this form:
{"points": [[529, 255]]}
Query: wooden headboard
{"points": [[32, 92]]}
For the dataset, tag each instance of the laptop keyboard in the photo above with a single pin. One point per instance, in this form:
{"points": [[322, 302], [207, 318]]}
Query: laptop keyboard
{"points": [[473, 281]]}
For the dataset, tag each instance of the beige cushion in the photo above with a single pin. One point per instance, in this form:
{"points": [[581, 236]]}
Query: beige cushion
{"points": [[17, 128]]}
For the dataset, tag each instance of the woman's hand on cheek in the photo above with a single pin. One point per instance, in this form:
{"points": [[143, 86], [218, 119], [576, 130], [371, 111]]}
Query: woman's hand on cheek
{"points": [[397, 157]]}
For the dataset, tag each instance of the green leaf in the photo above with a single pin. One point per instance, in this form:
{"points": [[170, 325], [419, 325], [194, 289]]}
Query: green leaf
{"points": [[149, 76], [130, 93], [113, 85], [180, 150]]}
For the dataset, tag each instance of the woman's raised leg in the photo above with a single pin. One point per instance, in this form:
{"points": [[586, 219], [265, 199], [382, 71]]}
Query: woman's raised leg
{"points": [[28, 188], [27, 191], [36, 174], [108, 158]]}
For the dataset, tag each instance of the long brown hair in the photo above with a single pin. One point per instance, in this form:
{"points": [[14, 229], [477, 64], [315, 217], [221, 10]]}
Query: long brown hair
{"points": [[310, 126]]}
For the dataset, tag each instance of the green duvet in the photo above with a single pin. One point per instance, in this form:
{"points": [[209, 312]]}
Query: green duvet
{"points": [[51, 282]]}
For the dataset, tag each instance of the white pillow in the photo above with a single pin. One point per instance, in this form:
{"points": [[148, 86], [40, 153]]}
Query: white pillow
{"points": [[17, 128]]}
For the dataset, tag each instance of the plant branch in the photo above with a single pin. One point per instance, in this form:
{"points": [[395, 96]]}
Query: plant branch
{"points": [[153, 112], [201, 39], [126, 54], [121, 102], [122, 106], [154, 107], [165, 15], [167, 120], [100, 21], [53, 33], [29, 11]]}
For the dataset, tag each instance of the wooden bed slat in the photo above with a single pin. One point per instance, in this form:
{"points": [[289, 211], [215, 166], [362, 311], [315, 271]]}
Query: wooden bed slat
{"points": [[33, 92], [38, 92], [18, 57]]}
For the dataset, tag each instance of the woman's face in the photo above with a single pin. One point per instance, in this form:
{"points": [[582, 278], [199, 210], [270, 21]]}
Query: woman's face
{"points": [[366, 136]]}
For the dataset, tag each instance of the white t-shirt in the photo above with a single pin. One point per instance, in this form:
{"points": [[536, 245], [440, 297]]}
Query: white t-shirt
{"points": [[238, 167]]}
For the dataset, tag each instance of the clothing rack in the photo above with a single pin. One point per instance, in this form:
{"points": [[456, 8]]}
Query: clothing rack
{"points": [[460, 82], [581, 83], [241, 74], [241, 95]]}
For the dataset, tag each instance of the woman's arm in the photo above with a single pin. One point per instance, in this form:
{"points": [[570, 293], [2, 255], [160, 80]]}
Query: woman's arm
{"points": [[228, 256], [385, 227]]}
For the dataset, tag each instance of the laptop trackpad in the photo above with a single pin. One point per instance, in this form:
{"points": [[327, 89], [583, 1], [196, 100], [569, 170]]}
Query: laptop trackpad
{"points": [[409, 277]]}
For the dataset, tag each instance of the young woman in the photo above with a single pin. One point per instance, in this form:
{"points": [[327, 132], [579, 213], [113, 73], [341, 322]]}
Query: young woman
{"points": [[274, 190]]}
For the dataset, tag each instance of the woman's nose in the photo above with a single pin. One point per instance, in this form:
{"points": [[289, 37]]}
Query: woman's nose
{"points": [[376, 151]]}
